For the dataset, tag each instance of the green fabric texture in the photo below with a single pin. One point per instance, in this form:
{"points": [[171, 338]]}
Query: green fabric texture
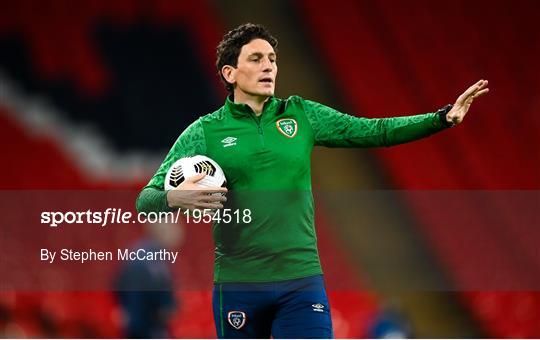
{"points": [[266, 160], [335, 129]]}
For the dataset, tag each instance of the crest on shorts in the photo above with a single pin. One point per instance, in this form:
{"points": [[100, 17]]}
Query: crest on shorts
{"points": [[237, 319], [287, 126]]}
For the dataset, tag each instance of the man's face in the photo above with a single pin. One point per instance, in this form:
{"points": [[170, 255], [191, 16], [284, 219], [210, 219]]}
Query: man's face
{"points": [[256, 71]]}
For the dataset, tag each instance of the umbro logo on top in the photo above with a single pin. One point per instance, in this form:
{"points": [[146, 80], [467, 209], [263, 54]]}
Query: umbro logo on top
{"points": [[229, 141]]}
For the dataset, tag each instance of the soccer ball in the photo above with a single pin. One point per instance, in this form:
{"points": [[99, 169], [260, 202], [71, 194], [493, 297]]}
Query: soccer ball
{"points": [[190, 166]]}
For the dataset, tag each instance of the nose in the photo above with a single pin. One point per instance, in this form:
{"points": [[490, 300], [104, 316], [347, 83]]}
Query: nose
{"points": [[268, 66]]}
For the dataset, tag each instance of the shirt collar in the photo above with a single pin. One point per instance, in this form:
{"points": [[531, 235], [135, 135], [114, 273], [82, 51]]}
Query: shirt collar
{"points": [[241, 109]]}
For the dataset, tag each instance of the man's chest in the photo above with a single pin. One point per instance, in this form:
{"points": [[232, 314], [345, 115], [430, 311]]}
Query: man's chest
{"points": [[267, 148]]}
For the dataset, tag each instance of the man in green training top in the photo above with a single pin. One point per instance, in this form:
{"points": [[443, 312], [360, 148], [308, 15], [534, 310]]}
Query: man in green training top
{"points": [[267, 274]]}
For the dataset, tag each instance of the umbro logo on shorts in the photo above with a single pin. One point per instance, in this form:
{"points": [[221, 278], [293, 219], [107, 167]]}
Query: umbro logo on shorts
{"points": [[317, 307], [237, 319]]}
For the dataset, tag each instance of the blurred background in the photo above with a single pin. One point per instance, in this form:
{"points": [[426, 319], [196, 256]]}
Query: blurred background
{"points": [[94, 93]]}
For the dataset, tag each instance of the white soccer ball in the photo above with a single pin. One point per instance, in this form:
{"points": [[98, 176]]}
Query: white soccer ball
{"points": [[190, 166]]}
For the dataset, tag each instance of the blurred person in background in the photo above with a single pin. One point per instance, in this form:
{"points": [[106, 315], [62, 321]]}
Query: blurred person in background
{"points": [[390, 322], [268, 278], [145, 289]]}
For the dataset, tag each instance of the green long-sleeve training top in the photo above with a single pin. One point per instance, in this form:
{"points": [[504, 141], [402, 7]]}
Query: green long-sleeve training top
{"points": [[266, 160]]}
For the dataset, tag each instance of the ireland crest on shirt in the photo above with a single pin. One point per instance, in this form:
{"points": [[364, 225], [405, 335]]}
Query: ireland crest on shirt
{"points": [[287, 126]]}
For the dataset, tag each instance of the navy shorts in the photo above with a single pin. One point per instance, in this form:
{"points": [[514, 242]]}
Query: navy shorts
{"points": [[285, 309]]}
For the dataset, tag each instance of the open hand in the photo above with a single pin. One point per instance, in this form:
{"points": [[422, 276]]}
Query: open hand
{"points": [[462, 104]]}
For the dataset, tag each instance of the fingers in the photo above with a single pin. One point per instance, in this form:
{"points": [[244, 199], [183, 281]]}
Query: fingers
{"points": [[472, 89], [476, 87], [480, 93], [196, 178], [213, 198], [205, 205], [212, 190], [476, 90], [480, 86]]}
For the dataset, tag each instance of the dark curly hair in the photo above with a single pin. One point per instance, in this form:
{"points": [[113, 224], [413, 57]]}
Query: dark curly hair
{"points": [[230, 46]]}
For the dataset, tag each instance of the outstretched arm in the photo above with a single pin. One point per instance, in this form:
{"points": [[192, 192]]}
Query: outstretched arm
{"points": [[335, 129]]}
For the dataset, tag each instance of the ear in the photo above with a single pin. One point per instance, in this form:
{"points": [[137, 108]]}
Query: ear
{"points": [[229, 73]]}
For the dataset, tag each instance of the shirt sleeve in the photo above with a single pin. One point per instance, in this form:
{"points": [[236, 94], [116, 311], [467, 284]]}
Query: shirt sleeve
{"points": [[335, 129], [191, 142]]}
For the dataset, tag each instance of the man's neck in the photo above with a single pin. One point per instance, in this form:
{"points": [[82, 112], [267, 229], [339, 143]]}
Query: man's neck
{"points": [[255, 102]]}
